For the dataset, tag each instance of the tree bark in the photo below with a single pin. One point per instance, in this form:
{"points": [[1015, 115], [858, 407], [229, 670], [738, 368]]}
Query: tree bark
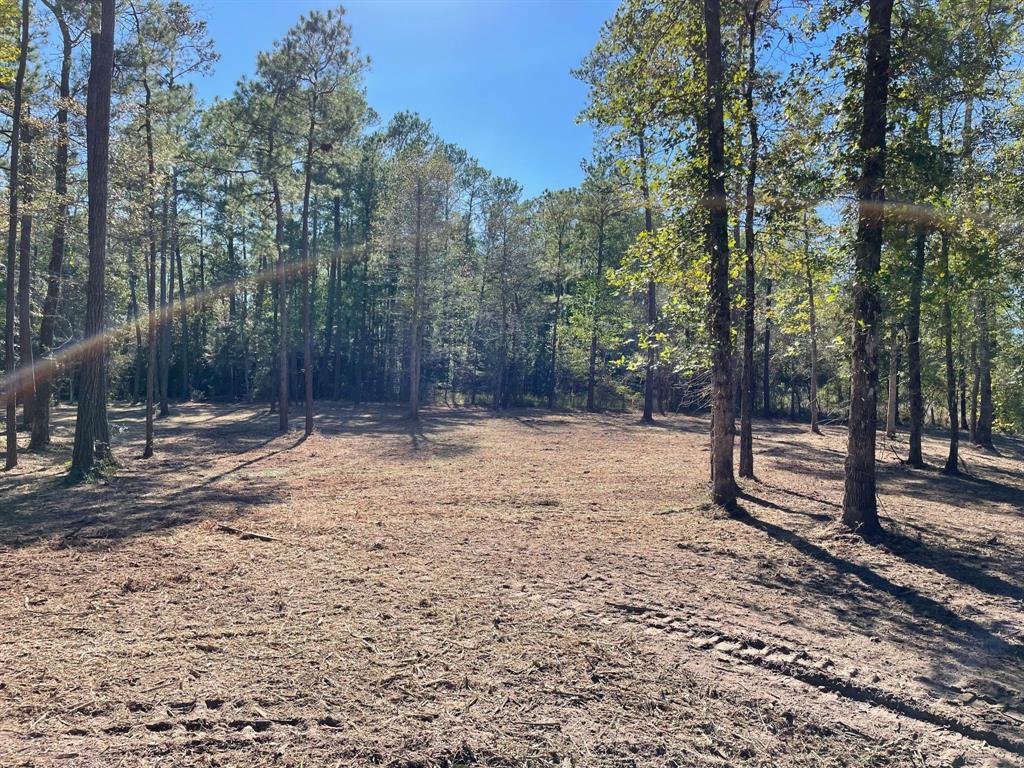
{"points": [[983, 429], [975, 389], [813, 329], [12, 245], [766, 367], [893, 404], [186, 376], [652, 296], [27, 378], [952, 459], [416, 326], [860, 505], [92, 432], [282, 305], [307, 266], [553, 383], [165, 317], [133, 318], [723, 428], [915, 458], [47, 368], [333, 283], [152, 320], [747, 397], [598, 282]]}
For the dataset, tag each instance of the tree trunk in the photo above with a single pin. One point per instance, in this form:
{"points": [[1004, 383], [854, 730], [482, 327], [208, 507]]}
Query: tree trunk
{"points": [[307, 266], [766, 367], [962, 387], [186, 376], [553, 383], [153, 319], [983, 429], [12, 245], [333, 283], [813, 329], [282, 308], [952, 460], [592, 366], [416, 326], [650, 373], [747, 397], [893, 404], [723, 427], [860, 505], [975, 388], [27, 385], [165, 318], [92, 433], [46, 367], [133, 318], [915, 458]]}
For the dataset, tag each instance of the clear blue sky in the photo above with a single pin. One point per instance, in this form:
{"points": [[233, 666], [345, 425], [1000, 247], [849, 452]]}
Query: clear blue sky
{"points": [[492, 76]]}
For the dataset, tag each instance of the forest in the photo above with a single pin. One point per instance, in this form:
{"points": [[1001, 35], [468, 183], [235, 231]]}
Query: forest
{"points": [[325, 444]]}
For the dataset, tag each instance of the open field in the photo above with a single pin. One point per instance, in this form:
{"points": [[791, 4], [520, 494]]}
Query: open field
{"points": [[531, 589]]}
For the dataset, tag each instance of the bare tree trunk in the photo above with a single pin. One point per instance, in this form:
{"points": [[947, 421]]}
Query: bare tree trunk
{"points": [[27, 379], [282, 308], [333, 283], [592, 366], [860, 505], [186, 376], [153, 319], [915, 458], [92, 432], [416, 327], [893, 404], [747, 398], [12, 245], [553, 383], [975, 388], [962, 386], [813, 329], [650, 372], [133, 318], [307, 261], [983, 428], [766, 367], [952, 460], [46, 368], [165, 317], [723, 427]]}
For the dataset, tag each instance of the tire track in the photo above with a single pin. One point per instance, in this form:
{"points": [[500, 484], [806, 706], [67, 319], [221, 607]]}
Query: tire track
{"points": [[785, 661]]}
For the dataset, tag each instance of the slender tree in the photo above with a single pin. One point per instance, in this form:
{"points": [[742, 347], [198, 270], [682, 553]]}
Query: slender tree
{"points": [[92, 432], [723, 426], [747, 399], [12, 241], [45, 367], [860, 505]]}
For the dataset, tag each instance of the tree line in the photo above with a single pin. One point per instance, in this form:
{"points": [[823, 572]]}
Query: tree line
{"points": [[786, 208]]}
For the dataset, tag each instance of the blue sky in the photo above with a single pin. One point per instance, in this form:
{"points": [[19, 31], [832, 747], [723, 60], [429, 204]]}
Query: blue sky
{"points": [[493, 77]]}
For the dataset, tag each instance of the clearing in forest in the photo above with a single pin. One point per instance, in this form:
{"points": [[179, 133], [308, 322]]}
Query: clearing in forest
{"points": [[526, 589]]}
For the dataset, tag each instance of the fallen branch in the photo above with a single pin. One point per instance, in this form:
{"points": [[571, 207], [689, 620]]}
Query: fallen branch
{"points": [[243, 534]]}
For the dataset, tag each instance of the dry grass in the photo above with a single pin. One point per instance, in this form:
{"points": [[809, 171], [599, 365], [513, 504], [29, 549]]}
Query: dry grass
{"points": [[528, 590]]}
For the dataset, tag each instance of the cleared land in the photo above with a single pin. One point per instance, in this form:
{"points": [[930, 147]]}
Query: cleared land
{"points": [[528, 589]]}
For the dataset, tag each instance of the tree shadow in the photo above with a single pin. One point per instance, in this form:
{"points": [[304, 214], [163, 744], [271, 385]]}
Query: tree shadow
{"points": [[816, 516], [919, 605], [144, 495], [963, 567]]}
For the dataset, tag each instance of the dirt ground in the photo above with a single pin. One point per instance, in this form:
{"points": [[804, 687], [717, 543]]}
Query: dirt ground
{"points": [[532, 589]]}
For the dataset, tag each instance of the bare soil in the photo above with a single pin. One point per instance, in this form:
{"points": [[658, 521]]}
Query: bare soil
{"points": [[530, 589]]}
